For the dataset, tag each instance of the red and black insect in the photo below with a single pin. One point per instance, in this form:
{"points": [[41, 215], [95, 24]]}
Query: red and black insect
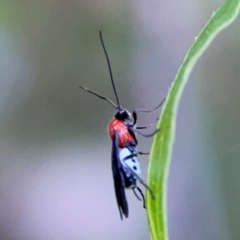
{"points": [[122, 130]]}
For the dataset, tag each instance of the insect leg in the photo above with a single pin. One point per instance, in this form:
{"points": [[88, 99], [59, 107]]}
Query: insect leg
{"points": [[143, 198], [141, 181], [150, 111], [136, 194], [143, 153], [145, 127], [145, 135]]}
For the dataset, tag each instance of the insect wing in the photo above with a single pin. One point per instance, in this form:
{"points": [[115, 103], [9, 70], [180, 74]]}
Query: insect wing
{"points": [[118, 178]]}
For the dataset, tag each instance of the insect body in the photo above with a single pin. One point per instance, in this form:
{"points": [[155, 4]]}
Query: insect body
{"points": [[122, 130], [126, 171]]}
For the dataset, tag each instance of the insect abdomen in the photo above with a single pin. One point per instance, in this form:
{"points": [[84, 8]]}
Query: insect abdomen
{"points": [[128, 160]]}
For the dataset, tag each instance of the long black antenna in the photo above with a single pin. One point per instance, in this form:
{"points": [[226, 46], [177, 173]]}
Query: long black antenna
{"points": [[96, 94], [110, 70]]}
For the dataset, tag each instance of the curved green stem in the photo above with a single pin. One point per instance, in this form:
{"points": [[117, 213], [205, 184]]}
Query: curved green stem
{"points": [[163, 142]]}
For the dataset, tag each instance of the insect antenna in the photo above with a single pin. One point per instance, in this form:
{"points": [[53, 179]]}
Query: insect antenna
{"points": [[96, 94], [110, 70]]}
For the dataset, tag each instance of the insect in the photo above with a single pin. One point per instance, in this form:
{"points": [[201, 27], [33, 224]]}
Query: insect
{"points": [[122, 130]]}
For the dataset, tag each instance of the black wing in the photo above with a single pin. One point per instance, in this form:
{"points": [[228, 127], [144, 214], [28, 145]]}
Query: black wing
{"points": [[118, 178]]}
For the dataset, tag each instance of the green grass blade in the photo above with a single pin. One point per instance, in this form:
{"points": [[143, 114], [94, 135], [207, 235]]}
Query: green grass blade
{"points": [[163, 142]]}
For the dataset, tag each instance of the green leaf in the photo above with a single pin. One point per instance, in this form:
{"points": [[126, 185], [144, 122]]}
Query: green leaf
{"points": [[163, 142]]}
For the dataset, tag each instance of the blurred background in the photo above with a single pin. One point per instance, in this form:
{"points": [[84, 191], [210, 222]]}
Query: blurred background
{"points": [[55, 172]]}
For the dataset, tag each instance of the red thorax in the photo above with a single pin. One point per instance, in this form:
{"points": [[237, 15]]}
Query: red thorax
{"points": [[122, 130]]}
